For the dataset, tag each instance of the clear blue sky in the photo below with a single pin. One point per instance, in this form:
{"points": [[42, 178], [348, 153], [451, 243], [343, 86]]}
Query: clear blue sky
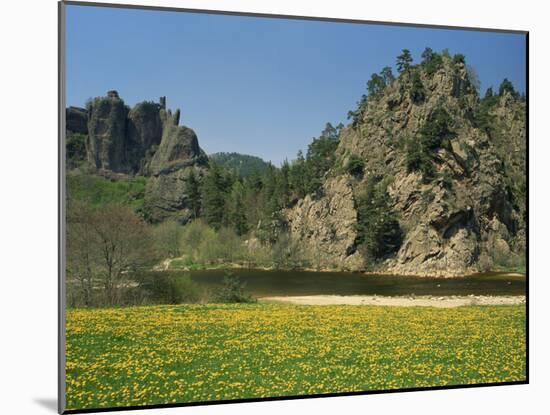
{"points": [[254, 85]]}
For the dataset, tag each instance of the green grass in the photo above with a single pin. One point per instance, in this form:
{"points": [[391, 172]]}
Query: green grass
{"points": [[97, 191], [187, 353]]}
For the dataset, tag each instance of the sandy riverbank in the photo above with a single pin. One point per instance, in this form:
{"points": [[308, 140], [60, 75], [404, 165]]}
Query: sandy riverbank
{"points": [[424, 301]]}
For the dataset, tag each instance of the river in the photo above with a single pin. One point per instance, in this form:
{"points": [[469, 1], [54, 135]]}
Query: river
{"points": [[263, 283]]}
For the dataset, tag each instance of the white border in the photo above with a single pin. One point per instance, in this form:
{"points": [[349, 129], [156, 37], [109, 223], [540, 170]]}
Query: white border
{"points": [[28, 227]]}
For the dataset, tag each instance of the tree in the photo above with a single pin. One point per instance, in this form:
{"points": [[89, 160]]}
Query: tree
{"points": [[387, 74], [473, 78], [421, 151], [236, 209], [375, 85], [378, 230], [167, 236], [417, 93], [459, 58], [356, 115], [489, 93], [194, 194], [297, 176], [404, 61], [427, 56], [75, 149], [507, 86], [107, 246], [320, 159], [213, 197], [431, 61]]}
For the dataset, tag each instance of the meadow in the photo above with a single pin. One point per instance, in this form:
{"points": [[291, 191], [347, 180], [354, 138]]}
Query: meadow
{"points": [[187, 353]]}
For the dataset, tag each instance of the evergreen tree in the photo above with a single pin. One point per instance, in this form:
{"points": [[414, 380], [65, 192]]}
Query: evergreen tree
{"points": [[404, 61], [236, 209], [297, 176], [213, 197], [375, 85], [194, 194], [417, 93], [431, 61], [320, 158], [378, 230], [387, 75], [427, 56], [507, 86]]}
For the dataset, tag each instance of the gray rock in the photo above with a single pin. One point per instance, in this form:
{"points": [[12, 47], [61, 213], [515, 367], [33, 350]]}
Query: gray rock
{"points": [[166, 193], [77, 120], [469, 210], [107, 133]]}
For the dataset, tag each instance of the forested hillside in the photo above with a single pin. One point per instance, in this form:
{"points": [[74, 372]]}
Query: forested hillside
{"points": [[427, 178]]}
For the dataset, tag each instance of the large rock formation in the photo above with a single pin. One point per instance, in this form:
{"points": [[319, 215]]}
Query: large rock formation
{"points": [[107, 133], [144, 140], [178, 155], [325, 226], [468, 212], [143, 135]]}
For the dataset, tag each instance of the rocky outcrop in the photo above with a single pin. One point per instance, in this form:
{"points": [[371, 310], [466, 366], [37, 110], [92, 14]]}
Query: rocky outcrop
{"points": [[325, 226], [77, 120], [107, 133], [143, 135], [177, 157], [470, 209], [145, 140]]}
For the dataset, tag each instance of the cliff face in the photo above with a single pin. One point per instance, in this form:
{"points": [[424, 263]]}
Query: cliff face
{"points": [[107, 133], [179, 154], [469, 209], [143, 140]]}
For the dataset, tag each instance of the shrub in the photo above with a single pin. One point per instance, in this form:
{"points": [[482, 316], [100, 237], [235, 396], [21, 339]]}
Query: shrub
{"points": [[232, 291], [459, 58], [355, 165], [75, 149], [431, 61], [169, 288], [435, 134], [417, 93]]}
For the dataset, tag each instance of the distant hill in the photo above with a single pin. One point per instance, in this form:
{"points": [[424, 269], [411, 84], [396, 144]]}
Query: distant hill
{"points": [[244, 164]]}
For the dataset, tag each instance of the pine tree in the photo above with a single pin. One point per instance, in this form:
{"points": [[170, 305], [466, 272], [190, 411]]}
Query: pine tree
{"points": [[194, 194], [387, 75], [375, 85], [404, 61], [213, 197], [236, 209]]}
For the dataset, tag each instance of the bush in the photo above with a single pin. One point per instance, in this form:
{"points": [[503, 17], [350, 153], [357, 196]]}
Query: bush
{"points": [[459, 58], [433, 63], [417, 93], [419, 160], [169, 288], [75, 149], [355, 165], [232, 291], [435, 133]]}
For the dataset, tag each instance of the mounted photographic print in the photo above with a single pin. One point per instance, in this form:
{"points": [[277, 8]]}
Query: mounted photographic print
{"points": [[262, 207]]}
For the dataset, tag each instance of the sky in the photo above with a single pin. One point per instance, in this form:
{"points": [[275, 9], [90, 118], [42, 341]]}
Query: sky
{"points": [[259, 86]]}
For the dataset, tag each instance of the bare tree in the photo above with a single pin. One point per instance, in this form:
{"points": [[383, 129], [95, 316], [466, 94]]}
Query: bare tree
{"points": [[107, 246]]}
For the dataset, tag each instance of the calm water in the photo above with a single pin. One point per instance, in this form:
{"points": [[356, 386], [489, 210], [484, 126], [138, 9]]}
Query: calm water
{"points": [[263, 283]]}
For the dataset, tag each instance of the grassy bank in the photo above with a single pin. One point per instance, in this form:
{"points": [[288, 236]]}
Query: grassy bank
{"points": [[186, 353]]}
